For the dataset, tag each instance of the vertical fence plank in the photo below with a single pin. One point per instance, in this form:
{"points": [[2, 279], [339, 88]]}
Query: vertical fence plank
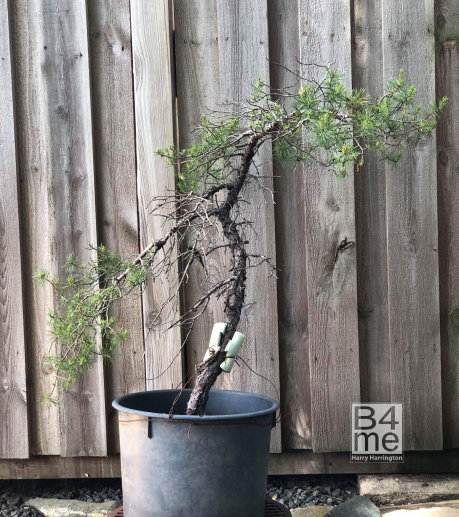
{"points": [[33, 159], [72, 211], [219, 57], [114, 161], [243, 60], [290, 247], [370, 218], [411, 194], [154, 121], [34, 170], [447, 79], [198, 89], [53, 99], [325, 39], [14, 437]]}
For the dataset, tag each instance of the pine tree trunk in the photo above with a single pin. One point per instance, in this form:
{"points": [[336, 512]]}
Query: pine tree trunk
{"points": [[206, 378], [209, 372]]}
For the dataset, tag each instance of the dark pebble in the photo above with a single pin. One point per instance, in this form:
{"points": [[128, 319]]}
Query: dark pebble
{"points": [[304, 491]]}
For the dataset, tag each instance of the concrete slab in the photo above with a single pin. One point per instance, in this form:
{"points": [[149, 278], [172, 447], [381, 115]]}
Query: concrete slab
{"points": [[71, 507], [403, 489], [441, 509], [311, 511]]}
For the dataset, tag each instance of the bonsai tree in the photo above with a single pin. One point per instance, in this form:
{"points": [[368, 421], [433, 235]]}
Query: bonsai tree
{"points": [[327, 123]]}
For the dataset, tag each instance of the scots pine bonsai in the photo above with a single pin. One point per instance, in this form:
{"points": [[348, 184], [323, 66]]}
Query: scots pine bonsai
{"points": [[327, 123]]}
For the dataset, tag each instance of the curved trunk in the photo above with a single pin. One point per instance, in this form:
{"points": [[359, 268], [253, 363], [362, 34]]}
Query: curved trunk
{"points": [[208, 372]]}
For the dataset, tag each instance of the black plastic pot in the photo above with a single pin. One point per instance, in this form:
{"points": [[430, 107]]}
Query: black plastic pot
{"points": [[181, 465]]}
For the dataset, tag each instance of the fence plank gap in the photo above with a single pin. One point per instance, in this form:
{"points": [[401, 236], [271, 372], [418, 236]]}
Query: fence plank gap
{"points": [[325, 39], [14, 436], [115, 170], [370, 217], [412, 236], [284, 51], [447, 83], [154, 122]]}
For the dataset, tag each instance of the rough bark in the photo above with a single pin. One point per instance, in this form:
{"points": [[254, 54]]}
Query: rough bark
{"points": [[208, 372]]}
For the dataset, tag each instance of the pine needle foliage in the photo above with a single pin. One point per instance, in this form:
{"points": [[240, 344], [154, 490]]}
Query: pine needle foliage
{"points": [[321, 121], [328, 123]]}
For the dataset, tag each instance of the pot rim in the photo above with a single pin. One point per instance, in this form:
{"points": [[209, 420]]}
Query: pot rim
{"points": [[118, 405]]}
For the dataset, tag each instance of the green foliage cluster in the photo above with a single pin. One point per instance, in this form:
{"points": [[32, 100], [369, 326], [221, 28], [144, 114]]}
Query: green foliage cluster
{"points": [[328, 123], [325, 122], [81, 323], [209, 157]]}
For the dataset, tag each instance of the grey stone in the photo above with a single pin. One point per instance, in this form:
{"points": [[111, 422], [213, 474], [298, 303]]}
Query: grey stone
{"points": [[358, 506], [409, 488], [311, 511], [441, 509], [71, 507]]}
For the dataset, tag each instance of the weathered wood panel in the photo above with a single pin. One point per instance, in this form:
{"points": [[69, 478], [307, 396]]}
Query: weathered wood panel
{"points": [[447, 81], [284, 52], [221, 49], [325, 32], [370, 218], [14, 438], [209, 49], [242, 50], [198, 89], [218, 59], [58, 177], [115, 171], [154, 122], [33, 156], [54, 467], [287, 463], [71, 196], [415, 462], [412, 237]]}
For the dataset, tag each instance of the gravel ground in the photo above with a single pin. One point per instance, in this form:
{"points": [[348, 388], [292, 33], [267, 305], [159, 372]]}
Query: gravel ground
{"points": [[16, 493], [293, 492], [302, 491]]}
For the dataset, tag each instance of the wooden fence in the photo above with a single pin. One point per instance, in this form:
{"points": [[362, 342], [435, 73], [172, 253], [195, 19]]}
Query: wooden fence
{"points": [[89, 89]]}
